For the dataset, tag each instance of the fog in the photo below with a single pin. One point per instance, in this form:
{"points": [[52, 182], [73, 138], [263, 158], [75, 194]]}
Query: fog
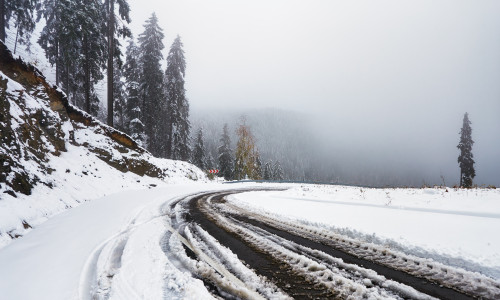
{"points": [[385, 84]]}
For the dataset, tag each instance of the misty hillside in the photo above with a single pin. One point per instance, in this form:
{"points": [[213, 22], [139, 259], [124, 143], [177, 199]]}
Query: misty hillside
{"points": [[53, 150], [283, 136], [300, 146]]}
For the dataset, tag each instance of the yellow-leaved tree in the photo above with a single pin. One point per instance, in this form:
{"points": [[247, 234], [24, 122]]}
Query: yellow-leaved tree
{"points": [[246, 165]]}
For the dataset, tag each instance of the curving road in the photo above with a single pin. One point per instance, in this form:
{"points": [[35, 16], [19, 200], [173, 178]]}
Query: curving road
{"points": [[280, 259]]}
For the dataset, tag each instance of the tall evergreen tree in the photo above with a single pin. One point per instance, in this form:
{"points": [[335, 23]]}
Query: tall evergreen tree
{"points": [[113, 46], [74, 41], [133, 113], [61, 39], [465, 159], [278, 171], [209, 161], [268, 171], [119, 91], [91, 20], [177, 121], [257, 172], [23, 13], [199, 157], [151, 83], [225, 154]]}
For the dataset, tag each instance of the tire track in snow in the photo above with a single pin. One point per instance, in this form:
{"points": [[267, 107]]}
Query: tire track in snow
{"points": [[208, 211], [281, 274], [219, 268], [465, 282]]}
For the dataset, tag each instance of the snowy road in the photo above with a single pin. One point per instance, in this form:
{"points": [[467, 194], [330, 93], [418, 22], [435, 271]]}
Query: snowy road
{"points": [[305, 262], [202, 241]]}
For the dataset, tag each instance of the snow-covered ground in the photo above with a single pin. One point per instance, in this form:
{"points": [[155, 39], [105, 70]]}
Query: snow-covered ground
{"points": [[456, 227], [112, 246], [57, 259], [116, 238]]}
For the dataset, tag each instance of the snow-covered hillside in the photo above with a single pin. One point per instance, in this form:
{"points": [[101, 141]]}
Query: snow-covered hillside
{"points": [[54, 156]]}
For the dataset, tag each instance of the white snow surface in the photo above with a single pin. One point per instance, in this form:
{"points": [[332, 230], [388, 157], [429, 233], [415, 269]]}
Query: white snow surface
{"points": [[112, 246], [116, 235], [455, 227], [109, 247]]}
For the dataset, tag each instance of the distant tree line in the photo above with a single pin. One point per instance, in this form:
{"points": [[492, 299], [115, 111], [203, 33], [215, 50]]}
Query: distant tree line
{"points": [[242, 163], [81, 39]]}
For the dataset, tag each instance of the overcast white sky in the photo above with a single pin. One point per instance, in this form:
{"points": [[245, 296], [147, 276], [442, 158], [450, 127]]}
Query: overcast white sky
{"points": [[379, 76]]}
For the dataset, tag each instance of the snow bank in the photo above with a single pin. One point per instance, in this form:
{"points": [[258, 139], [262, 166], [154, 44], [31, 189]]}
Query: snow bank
{"points": [[455, 227]]}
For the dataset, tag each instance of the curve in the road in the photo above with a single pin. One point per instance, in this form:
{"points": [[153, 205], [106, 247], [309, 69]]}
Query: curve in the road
{"points": [[285, 277]]}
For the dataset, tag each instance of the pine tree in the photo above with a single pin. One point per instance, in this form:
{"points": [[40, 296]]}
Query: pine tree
{"points": [[151, 83], [225, 154], [257, 172], [133, 115], [209, 161], [465, 159], [119, 91], [177, 121], [74, 41], [114, 47], [268, 171], [61, 40], [199, 158], [91, 20], [278, 171], [22, 11]]}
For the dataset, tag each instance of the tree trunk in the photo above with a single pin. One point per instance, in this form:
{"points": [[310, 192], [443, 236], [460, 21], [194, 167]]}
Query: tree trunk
{"points": [[2, 20], [461, 174], [17, 35], [67, 81], [168, 147], [111, 46], [58, 62]]}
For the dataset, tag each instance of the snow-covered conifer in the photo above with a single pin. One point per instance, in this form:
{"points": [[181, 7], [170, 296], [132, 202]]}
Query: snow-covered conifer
{"points": [[113, 49], [257, 172], [225, 154], [61, 40], [278, 171], [133, 113], [23, 14], [177, 121], [466, 159], [199, 158], [268, 171], [151, 83], [209, 161], [120, 119]]}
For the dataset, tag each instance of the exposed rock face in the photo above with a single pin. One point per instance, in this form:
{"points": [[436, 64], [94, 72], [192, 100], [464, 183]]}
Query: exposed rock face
{"points": [[36, 122], [27, 133]]}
